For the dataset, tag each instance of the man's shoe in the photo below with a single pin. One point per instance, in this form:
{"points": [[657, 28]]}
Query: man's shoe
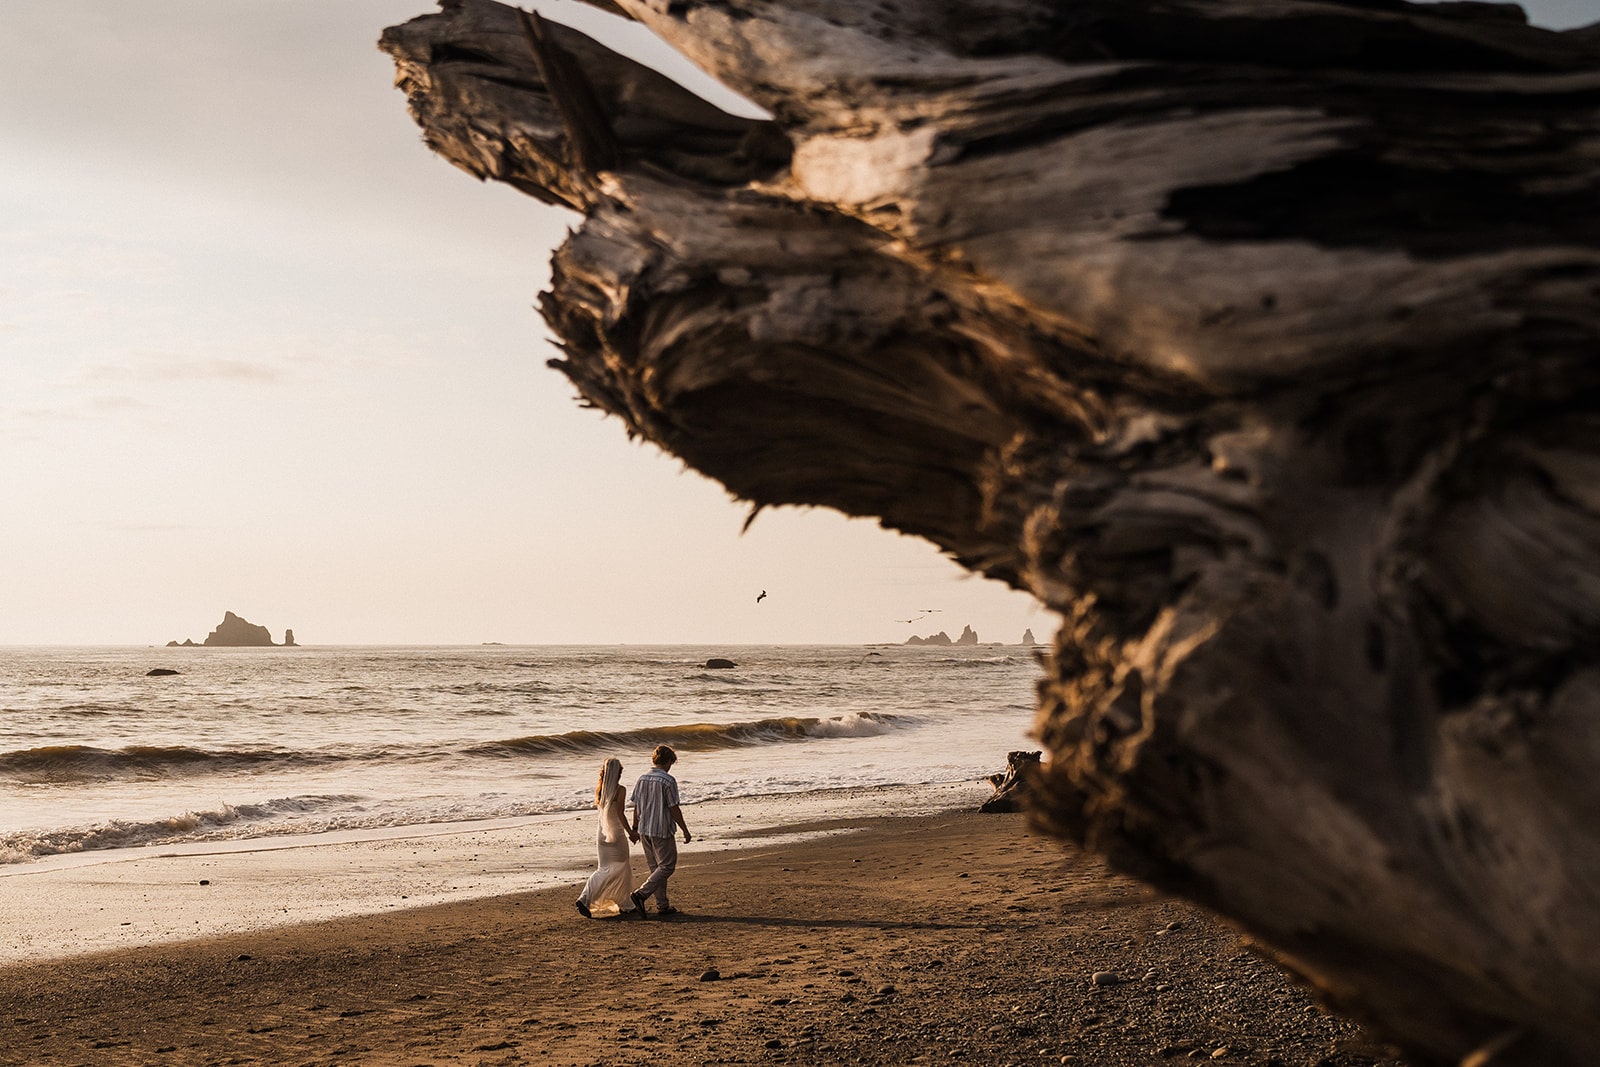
{"points": [[583, 909], [638, 901], [668, 910]]}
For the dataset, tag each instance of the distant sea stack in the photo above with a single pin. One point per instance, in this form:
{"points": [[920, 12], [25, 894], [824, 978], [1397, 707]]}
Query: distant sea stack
{"points": [[968, 637], [1027, 637], [234, 632]]}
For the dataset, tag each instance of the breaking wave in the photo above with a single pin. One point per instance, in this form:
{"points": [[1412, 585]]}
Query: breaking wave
{"points": [[225, 821], [65, 764], [68, 763], [698, 736]]}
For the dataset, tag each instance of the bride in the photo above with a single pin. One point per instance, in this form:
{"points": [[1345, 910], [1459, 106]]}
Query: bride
{"points": [[608, 888]]}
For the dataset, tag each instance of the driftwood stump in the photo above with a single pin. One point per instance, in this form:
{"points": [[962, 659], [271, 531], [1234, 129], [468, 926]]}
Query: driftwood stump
{"points": [[1259, 339], [1011, 785]]}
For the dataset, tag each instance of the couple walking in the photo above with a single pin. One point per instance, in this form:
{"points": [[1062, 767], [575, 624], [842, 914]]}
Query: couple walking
{"points": [[655, 810]]}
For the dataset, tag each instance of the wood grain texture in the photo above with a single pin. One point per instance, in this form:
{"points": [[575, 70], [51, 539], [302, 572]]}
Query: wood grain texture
{"points": [[1258, 338]]}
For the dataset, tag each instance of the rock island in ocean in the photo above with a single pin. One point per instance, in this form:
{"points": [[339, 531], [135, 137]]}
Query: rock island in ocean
{"points": [[968, 637], [234, 632]]}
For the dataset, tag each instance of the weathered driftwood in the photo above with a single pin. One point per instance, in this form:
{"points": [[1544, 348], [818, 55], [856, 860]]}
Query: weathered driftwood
{"points": [[1259, 338], [1011, 785]]}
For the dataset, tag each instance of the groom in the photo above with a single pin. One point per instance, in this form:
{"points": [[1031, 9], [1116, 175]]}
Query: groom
{"points": [[655, 810]]}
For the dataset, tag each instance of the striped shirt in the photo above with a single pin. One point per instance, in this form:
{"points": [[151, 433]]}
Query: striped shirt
{"points": [[654, 794]]}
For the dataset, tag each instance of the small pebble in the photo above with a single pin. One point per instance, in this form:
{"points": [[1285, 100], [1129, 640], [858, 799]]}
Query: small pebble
{"points": [[205, 881], [710, 974], [1105, 978]]}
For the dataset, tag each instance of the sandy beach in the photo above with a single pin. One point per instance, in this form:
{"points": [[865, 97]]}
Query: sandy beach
{"points": [[927, 938]]}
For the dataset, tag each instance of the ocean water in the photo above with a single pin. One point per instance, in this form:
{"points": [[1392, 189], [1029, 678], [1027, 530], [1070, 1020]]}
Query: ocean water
{"points": [[271, 742]]}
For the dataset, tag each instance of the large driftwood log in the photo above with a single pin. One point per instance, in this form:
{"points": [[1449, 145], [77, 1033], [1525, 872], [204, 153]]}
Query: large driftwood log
{"points": [[1259, 338]]}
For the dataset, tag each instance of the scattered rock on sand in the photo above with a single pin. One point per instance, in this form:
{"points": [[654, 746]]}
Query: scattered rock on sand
{"points": [[1105, 978], [160, 672], [710, 974], [720, 664]]}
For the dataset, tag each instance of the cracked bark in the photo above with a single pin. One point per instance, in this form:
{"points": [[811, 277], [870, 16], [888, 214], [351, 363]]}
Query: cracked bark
{"points": [[1258, 339]]}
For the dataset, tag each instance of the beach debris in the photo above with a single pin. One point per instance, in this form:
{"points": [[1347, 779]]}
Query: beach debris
{"points": [[1011, 784], [710, 974]]}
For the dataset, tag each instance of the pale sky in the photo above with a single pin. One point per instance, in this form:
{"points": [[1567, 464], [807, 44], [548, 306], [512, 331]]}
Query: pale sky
{"points": [[261, 351]]}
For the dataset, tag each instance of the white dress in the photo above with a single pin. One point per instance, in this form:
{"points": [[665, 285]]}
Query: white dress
{"points": [[608, 889]]}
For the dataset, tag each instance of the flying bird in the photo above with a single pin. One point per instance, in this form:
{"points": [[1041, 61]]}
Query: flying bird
{"points": [[762, 597]]}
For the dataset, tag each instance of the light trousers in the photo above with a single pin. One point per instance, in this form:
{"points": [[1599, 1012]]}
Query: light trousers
{"points": [[662, 855]]}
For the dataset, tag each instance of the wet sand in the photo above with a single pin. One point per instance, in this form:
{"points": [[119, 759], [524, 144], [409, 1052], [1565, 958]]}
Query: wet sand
{"points": [[950, 938]]}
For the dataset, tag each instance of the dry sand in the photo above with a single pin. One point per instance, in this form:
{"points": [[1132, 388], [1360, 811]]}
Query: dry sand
{"points": [[955, 938]]}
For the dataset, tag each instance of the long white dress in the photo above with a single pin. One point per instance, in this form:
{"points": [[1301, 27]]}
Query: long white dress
{"points": [[606, 892]]}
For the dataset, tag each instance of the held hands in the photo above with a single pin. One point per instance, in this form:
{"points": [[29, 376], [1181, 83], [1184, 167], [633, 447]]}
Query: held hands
{"points": [[686, 837]]}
